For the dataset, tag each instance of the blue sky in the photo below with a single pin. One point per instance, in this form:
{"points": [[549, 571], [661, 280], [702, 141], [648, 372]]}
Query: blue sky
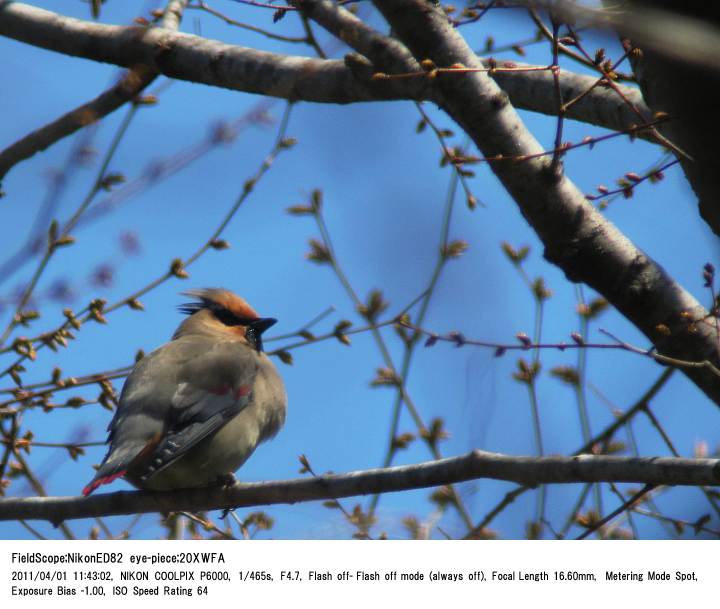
{"points": [[384, 194]]}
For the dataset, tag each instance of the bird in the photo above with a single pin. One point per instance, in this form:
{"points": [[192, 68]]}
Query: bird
{"points": [[191, 412]]}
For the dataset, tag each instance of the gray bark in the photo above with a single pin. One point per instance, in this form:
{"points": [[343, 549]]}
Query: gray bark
{"points": [[528, 471]]}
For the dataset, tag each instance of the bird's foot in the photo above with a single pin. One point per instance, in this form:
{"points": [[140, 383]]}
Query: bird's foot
{"points": [[226, 480]]}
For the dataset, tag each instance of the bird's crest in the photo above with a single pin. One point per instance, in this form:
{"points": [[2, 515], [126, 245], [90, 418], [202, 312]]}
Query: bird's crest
{"points": [[218, 300]]}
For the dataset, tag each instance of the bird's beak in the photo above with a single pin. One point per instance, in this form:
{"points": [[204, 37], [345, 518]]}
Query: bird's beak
{"points": [[262, 324]]}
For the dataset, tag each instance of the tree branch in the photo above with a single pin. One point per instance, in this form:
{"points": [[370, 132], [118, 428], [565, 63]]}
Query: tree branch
{"points": [[531, 90], [477, 464], [107, 102], [577, 237], [125, 90], [214, 63], [193, 58], [603, 107], [379, 49]]}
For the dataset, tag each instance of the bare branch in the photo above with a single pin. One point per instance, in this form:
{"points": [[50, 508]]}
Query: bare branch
{"points": [[577, 238], [534, 90], [125, 90], [477, 464], [192, 58], [214, 63], [380, 50], [105, 103]]}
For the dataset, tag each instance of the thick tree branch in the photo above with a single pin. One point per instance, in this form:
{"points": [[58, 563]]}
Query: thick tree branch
{"points": [[577, 238], [531, 90], [379, 49], [603, 107], [529, 471], [214, 63], [193, 58]]}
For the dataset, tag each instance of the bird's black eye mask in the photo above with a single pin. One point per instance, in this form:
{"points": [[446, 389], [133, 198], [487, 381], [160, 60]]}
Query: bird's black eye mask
{"points": [[254, 326]]}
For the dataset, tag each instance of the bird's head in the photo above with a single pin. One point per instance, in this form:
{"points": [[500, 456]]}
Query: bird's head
{"points": [[220, 311]]}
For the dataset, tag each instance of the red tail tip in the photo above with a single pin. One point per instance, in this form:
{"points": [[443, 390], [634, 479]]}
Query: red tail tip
{"points": [[104, 480]]}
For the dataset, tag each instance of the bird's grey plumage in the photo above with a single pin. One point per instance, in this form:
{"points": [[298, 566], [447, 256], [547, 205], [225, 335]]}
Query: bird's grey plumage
{"points": [[193, 410]]}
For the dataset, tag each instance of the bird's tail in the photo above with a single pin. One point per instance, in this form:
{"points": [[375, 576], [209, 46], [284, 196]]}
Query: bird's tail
{"points": [[99, 480], [114, 466]]}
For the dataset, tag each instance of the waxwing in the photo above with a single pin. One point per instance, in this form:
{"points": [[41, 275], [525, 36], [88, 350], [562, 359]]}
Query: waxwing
{"points": [[192, 411]]}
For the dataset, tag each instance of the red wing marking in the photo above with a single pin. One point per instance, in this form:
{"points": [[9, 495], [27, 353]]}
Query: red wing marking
{"points": [[242, 391]]}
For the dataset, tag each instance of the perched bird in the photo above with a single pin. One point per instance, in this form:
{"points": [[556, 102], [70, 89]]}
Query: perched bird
{"points": [[192, 411]]}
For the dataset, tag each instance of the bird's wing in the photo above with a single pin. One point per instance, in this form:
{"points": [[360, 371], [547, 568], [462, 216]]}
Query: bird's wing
{"points": [[199, 413], [175, 397]]}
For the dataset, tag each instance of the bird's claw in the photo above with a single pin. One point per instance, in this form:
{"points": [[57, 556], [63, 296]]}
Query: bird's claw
{"points": [[226, 480]]}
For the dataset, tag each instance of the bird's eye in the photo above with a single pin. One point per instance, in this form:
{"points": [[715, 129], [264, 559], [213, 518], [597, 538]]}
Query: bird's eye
{"points": [[254, 339], [255, 329]]}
